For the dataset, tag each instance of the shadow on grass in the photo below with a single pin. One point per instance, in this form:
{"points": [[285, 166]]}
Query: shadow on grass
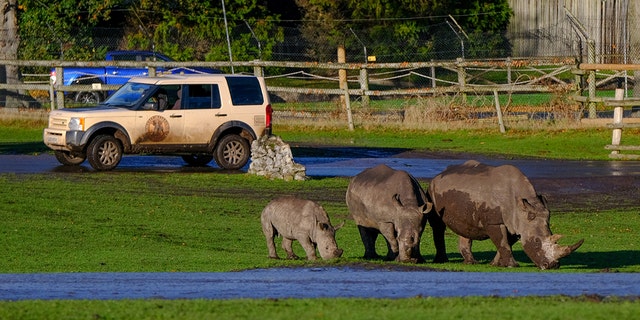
{"points": [[607, 261], [23, 147]]}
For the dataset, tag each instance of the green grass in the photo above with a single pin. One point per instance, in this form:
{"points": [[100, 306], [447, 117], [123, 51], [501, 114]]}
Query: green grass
{"points": [[544, 308], [578, 144], [102, 222], [128, 222]]}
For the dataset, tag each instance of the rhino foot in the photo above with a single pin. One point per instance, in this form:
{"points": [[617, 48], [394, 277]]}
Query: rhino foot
{"points": [[472, 261], [508, 264], [440, 258]]}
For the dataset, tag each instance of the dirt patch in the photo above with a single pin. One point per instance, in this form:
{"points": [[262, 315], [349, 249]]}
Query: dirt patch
{"points": [[590, 193]]}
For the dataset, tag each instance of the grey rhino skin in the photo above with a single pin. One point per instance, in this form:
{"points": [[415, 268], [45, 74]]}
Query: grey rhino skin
{"points": [[391, 202], [478, 202], [303, 220]]}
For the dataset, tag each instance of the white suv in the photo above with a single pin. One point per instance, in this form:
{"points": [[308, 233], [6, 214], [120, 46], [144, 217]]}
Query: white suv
{"points": [[199, 117]]}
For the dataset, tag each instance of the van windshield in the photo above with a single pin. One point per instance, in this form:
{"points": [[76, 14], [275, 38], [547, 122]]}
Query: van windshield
{"points": [[130, 95]]}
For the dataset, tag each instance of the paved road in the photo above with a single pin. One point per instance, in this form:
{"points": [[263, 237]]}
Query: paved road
{"points": [[312, 283], [341, 165]]}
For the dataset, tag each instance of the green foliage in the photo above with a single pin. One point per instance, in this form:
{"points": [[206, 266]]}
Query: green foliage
{"points": [[182, 29], [68, 23], [195, 30], [419, 25]]}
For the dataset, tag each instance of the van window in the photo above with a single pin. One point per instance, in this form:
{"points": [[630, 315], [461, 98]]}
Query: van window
{"points": [[245, 91], [202, 96]]}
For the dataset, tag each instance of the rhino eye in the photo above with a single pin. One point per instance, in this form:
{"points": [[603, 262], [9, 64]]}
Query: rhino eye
{"points": [[531, 215]]}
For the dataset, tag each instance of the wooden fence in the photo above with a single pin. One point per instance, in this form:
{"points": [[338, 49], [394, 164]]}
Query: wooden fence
{"points": [[364, 80], [619, 102]]}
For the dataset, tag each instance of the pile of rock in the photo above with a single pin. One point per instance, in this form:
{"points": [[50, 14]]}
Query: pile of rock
{"points": [[272, 158]]}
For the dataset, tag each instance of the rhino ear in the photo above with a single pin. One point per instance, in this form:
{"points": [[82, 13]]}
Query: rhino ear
{"points": [[396, 198], [336, 228], [543, 199]]}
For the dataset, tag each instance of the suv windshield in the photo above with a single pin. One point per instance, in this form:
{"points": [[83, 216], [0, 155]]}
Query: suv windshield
{"points": [[130, 95]]}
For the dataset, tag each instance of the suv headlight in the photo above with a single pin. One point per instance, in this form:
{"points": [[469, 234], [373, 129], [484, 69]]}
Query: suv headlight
{"points": [[76, 124]]}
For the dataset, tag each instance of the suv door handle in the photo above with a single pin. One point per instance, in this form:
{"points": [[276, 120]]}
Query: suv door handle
{"points": [[175, 116], [221, 114]]}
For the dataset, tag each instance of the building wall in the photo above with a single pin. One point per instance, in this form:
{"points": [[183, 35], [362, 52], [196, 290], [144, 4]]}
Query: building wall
{"points": [[542, 28]]}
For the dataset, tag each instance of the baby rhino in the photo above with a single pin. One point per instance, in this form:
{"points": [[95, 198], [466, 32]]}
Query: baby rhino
{"points": [[302, 220]]}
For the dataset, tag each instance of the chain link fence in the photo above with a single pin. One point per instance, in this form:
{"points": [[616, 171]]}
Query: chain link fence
{"points": [[447, 44]]}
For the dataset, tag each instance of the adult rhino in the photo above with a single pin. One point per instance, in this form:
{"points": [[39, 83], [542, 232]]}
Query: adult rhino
{"points": [[303, 220], [391, 202], [479, 202]]}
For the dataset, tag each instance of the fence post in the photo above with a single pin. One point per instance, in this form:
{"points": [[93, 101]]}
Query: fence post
{"points": [[364, 85], [59, 83], [616, 138], [508, 62], [591, 58], [258, 71], [499, 111], [344, 85], [342, 74], [433, 76], [462, 81]]}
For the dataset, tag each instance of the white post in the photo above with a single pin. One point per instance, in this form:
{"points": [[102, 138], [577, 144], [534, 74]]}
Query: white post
{"points": [[617, 121]]}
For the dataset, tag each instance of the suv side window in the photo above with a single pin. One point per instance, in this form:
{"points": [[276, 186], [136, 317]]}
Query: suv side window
{"points": [[245, 91], [202, 96]]}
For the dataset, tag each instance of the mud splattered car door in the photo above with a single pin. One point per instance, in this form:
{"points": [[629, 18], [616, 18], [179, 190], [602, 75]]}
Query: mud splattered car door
{"points": [[202, 106], [157, 128]]}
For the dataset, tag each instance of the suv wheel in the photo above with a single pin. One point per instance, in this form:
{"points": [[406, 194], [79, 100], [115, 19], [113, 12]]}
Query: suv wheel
{"points": [[69, 159], [104, 152], [232, 152], [197, 160], [88, 97]]}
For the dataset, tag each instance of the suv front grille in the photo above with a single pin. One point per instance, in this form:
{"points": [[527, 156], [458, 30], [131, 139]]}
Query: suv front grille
{"points": [[58, 123]]}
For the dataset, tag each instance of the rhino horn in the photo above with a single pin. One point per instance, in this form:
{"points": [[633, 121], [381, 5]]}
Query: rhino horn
{"points": [[563, 251]]}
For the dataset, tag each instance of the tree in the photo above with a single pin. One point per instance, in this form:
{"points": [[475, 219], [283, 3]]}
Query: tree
{"points": [[401, 30], [68, 26], [195, 29], [9, 41]]}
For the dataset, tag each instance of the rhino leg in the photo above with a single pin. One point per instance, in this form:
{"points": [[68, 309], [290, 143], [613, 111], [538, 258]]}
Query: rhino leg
{"points": [[369, 237], [270, 233], [389, 232], [309, 248], [287, 245], [438, 227], [464, 246], [500, 238]]}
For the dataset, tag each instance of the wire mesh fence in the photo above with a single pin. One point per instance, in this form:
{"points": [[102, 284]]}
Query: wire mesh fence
{"points": [[363, 46]]}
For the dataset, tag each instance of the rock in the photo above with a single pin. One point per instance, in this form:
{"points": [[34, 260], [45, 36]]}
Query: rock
{"points": [[272, 158]]}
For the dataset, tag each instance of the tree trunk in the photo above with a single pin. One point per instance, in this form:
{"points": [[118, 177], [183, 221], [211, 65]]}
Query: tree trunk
{"points": [[9, 41]]}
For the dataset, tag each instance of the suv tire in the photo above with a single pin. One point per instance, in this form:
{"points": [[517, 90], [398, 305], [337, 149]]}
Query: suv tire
{"points": [[68, 159], [88, 97], [197, 160], [232, 152], [104, 152]]}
